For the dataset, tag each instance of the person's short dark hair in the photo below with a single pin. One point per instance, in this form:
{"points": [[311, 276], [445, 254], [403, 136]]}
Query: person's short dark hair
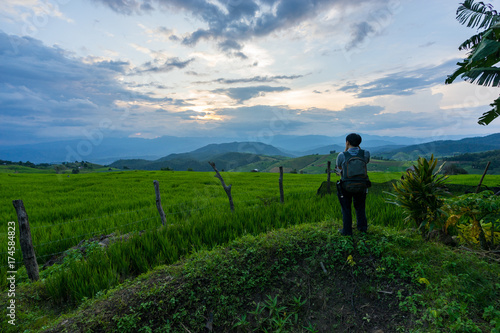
{"points": [[354, 139]]}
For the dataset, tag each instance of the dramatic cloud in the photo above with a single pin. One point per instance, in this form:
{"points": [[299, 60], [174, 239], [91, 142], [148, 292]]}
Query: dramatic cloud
{"points": [[164, 66], [273, 78], [402, 83], [184, 115], [245, 93], [147, 68], [46, 74], [232, 48], [48, 88], [260, 120], [167, 33], [360, 31], [128, 7], [237, 20], [363, 118]]}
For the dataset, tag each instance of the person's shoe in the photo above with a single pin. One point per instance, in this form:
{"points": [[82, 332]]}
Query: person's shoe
{"points": [[341, 231]]}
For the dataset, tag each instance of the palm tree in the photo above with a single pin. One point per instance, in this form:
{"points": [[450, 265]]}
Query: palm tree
{"points": [[484, 51]]}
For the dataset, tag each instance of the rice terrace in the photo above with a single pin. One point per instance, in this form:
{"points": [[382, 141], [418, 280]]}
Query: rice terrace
{"points": [[267, 266], [249, 166]]}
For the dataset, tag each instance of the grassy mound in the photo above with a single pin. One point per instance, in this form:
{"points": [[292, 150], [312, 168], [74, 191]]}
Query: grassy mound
{"points": [[305, 278]]}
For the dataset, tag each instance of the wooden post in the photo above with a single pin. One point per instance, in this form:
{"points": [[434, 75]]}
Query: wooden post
{"points": [[328, 170], [27, 249], [282, 194], [226, 188], [481, 181], [158, 202]]}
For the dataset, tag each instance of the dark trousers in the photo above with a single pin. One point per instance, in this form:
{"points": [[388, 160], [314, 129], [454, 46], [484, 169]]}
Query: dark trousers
{"points": [[346, 199]]}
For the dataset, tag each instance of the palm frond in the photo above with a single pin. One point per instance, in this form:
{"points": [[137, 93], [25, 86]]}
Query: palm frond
{"points": [[460, 70], [472, 42], [484, 76], [490, 115], [477, 14], [487, 48]]}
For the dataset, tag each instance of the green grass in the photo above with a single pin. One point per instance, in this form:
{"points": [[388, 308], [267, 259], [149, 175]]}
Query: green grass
{"points": [[473, 180], [23, 169], [63, 206], [275, 282], [65, 210], [389, 166], [93, 205]]}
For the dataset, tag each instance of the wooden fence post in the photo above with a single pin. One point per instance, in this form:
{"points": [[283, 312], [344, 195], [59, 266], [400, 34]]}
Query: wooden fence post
{"points": [[481, 181], [26, 242], [328, 170], [158, 202], [282, 194], [226, 188]]}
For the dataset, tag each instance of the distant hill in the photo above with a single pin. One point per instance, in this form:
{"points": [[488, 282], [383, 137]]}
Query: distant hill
{"points": [[476, 162], [103, 149], [307, 143], [211, 150], [185, 163], [226, 156], [247, 156], [303, 164], [376, 150], [324, 150], [444, 148]]}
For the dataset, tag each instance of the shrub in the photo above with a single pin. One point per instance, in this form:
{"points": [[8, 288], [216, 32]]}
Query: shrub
{"points": [[453, 169], [420, 193], [475, 216]]}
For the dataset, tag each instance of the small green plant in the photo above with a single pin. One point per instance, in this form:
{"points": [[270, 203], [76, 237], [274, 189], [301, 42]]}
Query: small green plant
{"points": [[476, 217], [492, 315], [270, 316], [421, 195], [311, 328], [242, 323], [298, 303], [127, 323]]}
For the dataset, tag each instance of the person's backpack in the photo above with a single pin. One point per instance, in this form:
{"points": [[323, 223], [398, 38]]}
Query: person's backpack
{"points": [[354, 173]]}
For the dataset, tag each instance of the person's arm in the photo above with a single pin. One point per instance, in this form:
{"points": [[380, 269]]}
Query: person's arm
{"points": [[367, 156], [338, 163]]}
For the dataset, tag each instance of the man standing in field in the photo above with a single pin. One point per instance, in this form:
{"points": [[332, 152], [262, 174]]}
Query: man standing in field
{"points": [[353, 184]]}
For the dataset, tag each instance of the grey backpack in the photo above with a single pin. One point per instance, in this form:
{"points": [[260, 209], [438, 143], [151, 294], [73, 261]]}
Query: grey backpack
{"points": [[354, 173]]}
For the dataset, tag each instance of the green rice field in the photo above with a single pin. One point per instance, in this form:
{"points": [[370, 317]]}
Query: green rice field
{"points": [[63, 210]]}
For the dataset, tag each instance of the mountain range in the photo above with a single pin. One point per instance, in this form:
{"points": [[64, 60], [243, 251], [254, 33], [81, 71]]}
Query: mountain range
{"points": [[443, 148], [226, 156], [247, 156], [105, 150]]}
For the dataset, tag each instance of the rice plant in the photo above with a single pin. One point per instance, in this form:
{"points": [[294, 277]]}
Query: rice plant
{"points": [[64, 211]]}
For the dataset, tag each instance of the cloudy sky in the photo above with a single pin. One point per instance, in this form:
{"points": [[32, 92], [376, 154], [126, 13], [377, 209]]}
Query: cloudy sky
{"points": [[238, 68]]}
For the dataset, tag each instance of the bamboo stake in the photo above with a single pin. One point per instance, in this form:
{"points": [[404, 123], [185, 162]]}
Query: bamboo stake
{"points": [[481, 181], [26, 242], [226, 188], [328, 170], [158, 202], [282, 194]]}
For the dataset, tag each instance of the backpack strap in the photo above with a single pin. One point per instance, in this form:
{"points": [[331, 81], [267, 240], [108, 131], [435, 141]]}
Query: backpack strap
{"points": [[361, 153], [347, 156]]}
